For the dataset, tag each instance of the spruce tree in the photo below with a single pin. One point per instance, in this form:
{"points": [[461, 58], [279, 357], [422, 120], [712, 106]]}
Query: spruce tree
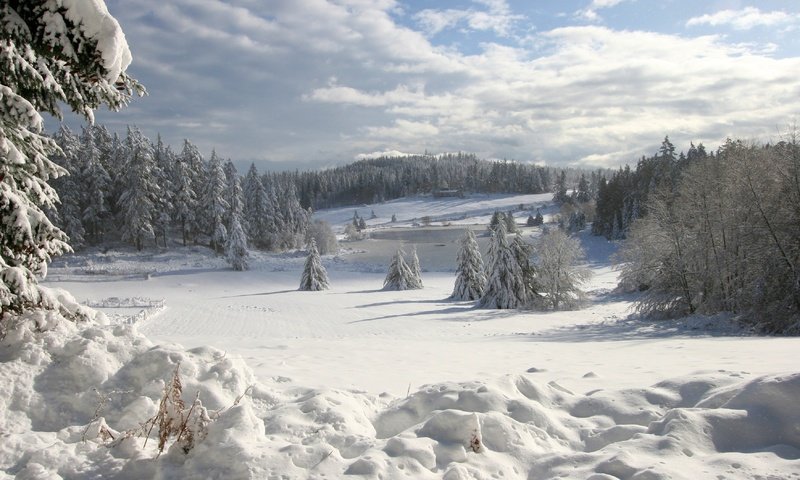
{"points": [[505, 286], [560, 195], [48, 59], [511, 224], [214, 203], [538, 219], [185, 196], [399, 276], [137, 201], [314, 277], [67, 215], [416, 271], [237, 252], [193, 190], [164, 160], [470, 276], [494, 221], [96, 184]]}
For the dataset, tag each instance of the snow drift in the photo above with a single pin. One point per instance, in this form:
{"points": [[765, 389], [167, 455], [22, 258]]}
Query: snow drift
{"points": [[70, 391]]}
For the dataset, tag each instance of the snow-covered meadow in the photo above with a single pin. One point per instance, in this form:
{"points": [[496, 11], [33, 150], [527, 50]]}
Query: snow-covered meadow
{"points": [[364, 383]]}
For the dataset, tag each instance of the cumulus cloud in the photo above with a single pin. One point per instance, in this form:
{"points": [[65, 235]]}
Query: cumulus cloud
{"points": [[384, 153], [323, 81], [744, 19], [590, 12], [497, 17]]}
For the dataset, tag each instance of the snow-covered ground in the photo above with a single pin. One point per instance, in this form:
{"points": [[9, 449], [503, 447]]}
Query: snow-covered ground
{"points": [[355, 381]]}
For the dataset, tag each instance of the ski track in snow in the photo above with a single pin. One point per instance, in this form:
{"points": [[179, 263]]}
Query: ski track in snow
{"points": [[577, 394]]}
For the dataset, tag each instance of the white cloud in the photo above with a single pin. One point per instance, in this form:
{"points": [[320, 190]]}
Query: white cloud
{"points": [[318, 80], [383, 153], [590, 12], [744, 19], [597, 93], [498, 18]]}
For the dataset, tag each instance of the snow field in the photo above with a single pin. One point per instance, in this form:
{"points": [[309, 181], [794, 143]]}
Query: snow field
{"points": [[354, 382]]}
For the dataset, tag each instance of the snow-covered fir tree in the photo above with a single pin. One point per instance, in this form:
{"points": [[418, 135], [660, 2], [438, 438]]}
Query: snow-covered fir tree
{"points": [[68, 213], [275, 214], [194, 165], [164, 160], [400, 276], [96, 184], [314, 277], [230, 189], [46, 62], [470, 275], [295, 217], [522, 252], [137, 200], [185, 205], [495, 220], [215, 204], [416, 271], [505, 285], [511, 224], [258, 211], [236, 249]]}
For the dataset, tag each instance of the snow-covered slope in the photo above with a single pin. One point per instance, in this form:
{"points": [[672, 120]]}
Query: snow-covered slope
{"points": [[355, 382]]}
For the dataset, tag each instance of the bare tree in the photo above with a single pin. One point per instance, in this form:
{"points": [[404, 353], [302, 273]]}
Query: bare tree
{"points": [[559, 273]]}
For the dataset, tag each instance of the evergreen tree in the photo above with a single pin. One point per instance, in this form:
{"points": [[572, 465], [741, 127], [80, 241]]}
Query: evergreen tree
{"points": [[399, 276], [237, 252], [522, 253], [314, 277], [68, 214], [494, 222], [185, 196], [194, 190], [470, 275], [416, 271], [582, 195], [505, 286], [576, 222], [560, 195], [511, 224], [164, 160], [258, 211], [538, 219], [137, 201], [48, 59], [96, 184], [214, 203], [530, 222]]}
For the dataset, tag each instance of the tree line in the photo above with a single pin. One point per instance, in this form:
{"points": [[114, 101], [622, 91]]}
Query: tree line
{"points": [[711, 232], [388, 178], [142, 191]]}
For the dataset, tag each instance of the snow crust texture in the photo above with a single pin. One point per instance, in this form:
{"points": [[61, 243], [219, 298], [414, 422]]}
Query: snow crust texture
{"points": [[63, 391]]}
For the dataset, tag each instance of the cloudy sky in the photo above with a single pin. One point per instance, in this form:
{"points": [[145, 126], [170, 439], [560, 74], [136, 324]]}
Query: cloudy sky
{"points": [[306, 83]]}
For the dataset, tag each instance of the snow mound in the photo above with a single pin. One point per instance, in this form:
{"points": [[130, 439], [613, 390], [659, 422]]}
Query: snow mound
{"points": [[72, 393]]}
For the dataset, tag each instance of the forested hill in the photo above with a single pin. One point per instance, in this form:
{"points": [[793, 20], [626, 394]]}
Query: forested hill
{"points": [[139, 190], [387, 178]]}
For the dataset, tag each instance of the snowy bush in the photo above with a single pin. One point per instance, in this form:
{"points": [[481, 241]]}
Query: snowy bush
{"points": [[322, 233]]}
